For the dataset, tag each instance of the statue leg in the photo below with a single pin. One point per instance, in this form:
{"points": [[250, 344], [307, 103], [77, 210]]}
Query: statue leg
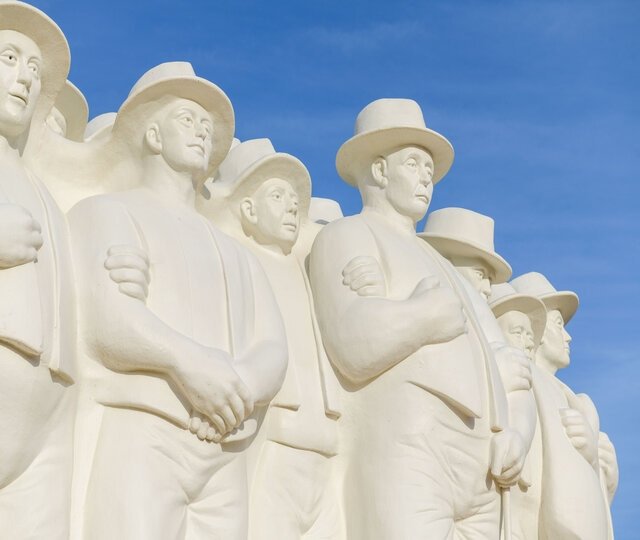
{"points": [[293, 496], [36, 433], [136, 489]]}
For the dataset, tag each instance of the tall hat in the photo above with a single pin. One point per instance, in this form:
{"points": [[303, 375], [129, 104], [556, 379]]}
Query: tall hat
{"points": [[99, 127], [535, 284], [56, 57], [177, 79], [252, 162], [505, 298], [386, 124], [464, 233], [324, 211], [75, 109]]}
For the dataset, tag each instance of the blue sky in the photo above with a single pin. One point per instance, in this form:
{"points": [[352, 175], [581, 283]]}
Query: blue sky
{"points": [[539, 98]]}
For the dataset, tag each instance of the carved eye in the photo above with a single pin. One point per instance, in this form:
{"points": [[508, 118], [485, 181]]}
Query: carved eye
{"points": [[35, 69], [186, 120], [10, 57], [411, 163], [276, 195]]}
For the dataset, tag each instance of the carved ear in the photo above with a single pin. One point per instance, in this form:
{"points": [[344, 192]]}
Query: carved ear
{"points": [[248, 210], [379, 172], [153, 139]]}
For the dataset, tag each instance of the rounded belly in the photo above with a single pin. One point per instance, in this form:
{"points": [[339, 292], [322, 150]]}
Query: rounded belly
{"points": [[30, 403]]}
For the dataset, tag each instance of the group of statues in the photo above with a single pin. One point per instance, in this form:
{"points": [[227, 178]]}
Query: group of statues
{"points": [[194, 347]]}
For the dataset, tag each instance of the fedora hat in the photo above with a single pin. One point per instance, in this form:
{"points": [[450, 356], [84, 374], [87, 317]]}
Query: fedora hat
{"points": [[252, 162], [464, 233], [177, 79], [75, 109], [505, 298], [386, 124], [46, 34], [324, 211], [535, 284], [99, 127]]}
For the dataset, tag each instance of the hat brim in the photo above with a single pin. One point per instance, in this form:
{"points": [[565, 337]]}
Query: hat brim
{"points": [[47, 35], [75, 109], [278, 165], [566, 302], [369, 145], [209, 96], [449, 246], [530, 306]]}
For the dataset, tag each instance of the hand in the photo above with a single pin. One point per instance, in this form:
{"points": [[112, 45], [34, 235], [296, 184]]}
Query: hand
{"points": [[448, 320], [364, 276], [20, 236], [129, 267], [608, 462], [514, 367], [214, 389], [203, 430], [508, 452], [580, 434]]}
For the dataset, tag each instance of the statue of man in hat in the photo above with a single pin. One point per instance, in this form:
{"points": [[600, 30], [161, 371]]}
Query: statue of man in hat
{"points": [[426, 404], [522, 319], [263, 198], [574, 497], [37, 312], [465, 238], [193, 354]]}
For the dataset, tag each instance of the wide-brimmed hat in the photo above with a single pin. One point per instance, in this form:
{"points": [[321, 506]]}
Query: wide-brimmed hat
{"points": [[505, 298], [99, 127], [177, 79], [386, 124], [252, 162], [56, 57], [464, 233], [75, 109], [535, 284], [324, 211]]}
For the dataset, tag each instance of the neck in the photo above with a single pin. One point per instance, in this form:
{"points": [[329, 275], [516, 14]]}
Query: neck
{"points": [[174, 187], [383, 209], [545, 364], [9, 148]]}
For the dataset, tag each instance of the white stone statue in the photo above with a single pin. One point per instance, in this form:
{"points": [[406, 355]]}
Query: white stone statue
{"points": [[323, 211], [294, 493], [178, 366], [522, 319], [573, 499], [425, 415], [37, 314], [466, 239], [70, 113]]}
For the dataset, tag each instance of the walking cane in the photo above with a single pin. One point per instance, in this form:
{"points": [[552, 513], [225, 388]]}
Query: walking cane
{"points": [[505, 497]]}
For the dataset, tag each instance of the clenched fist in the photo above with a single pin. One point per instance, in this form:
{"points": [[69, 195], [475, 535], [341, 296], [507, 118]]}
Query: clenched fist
{"points": [[364, 276], [20, 236]]}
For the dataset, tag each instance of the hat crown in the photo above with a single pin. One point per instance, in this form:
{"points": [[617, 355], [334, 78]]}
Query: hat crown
{"points": [[389, 113], [533, 284], [501, 291], [462, 224], [100, 123], [162, 72], [242, 156]]}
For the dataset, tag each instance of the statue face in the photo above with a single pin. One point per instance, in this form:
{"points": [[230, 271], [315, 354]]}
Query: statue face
{"points": [[20, 65], [272, 214], [517, 330], [475, 272], [409, 188], [554, 349], [186, 136]]}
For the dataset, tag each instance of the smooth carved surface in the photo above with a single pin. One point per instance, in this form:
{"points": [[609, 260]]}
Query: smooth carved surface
{"points": [[195, 347]]}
